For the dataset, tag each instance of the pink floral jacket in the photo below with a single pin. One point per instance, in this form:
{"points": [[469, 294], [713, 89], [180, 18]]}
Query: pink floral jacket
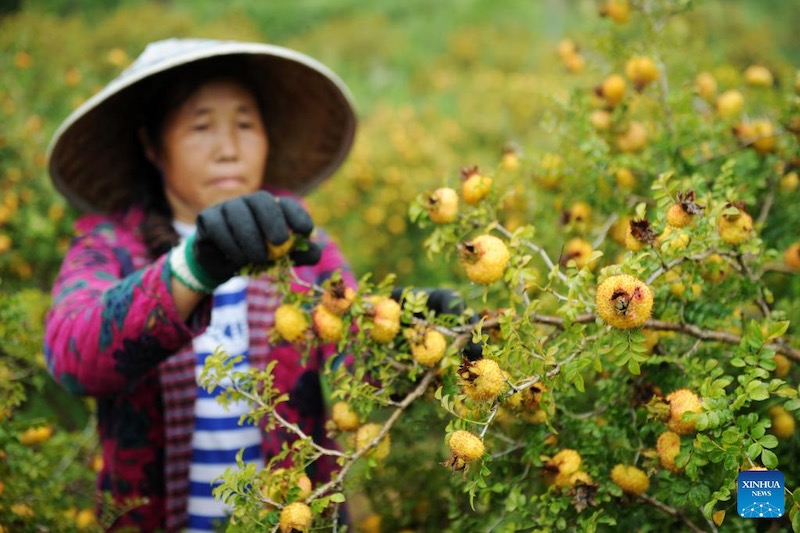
{"points": [[113, 333]]}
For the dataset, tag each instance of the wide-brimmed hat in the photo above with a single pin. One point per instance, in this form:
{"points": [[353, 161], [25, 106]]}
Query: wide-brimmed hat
{"points": [[96, 156]]}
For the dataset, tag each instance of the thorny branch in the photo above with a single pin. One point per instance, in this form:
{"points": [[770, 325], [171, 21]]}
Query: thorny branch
{"points": [[672, 512]]}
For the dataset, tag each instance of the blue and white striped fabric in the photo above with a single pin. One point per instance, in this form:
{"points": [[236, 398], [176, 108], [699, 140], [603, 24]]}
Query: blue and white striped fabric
{"points": [[217, 436]]}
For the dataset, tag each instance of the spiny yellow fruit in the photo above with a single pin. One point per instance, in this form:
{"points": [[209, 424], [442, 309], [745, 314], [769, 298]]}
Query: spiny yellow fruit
{"points": [[295, 517], [792, 256], [277, 251], [612, 90], [36, 435], [578, 250], [291, 322], [466, 446], [706, 86], [385, 320], [682, 401], [366, 434], [474, 185], [278, 489], [735, 228], [344, 417], [21, 509], [641, 70], [624, 301], [338, 297], [328, 325], [782, 365], [634, 139], [484, 258], [428, 347], [559, 468], [758, 76], [668, 447], [84, 519], [442, 205], [730, 103], [789, 182], [630, 479], [783, 422], [483, 380], [579, 213], [575, 63]]}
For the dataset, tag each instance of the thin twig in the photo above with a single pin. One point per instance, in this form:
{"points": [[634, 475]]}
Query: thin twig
{"points": [[676, 513]]}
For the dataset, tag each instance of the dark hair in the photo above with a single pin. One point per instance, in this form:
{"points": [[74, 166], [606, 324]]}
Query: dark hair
{"points": [[163, 94]]}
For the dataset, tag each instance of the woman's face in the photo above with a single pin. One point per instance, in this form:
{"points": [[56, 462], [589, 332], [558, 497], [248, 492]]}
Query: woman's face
{"points": [[213, 147]]}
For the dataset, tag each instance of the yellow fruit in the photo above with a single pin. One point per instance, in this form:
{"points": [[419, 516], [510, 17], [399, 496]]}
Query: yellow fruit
{"points": [[575, 63], [385, 320], [277, 251], [429, 347], [715, 268], [328, 325], [641, 70], [706, 86], [600, 119], [682, 401], [634, 139], [735, 228], [5, 243], [484, 258], [782, 365], [466, 446], [366, 434], [510, 160], [36, 435], [578, 250], [370, 524], [668, 447], [291, 322], [792, 256], [677, 217], [624, 301], [730, 103], [97, 462], [338, 297], [442, 205], [620, 229], [617, 10], [612, 90], [789, 182], [630, 479], [758, 76], [474, 186], [85, 519], [579, 213], [578, 478], [559, 468], [483, 380], [566, 47], [760, 134], [21, 509], [295, 517], [625, 178], [344, 417], [783, 422]]}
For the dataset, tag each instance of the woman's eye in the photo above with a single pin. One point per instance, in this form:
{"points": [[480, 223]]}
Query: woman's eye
{"points": [[245, 125], [200, 127]]}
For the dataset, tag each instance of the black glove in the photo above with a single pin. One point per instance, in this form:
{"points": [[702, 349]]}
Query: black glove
{"points": [[234, 233], [447, 302]]}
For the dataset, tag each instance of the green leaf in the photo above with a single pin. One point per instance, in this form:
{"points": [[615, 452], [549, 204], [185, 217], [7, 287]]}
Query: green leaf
{"points": [[769, 459], [768, 441], [633, 367], [337, 497], [796, 522], [792, 405], [757, 390]]}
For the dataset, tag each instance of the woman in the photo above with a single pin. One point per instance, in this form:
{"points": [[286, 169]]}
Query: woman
{"points": [[187, 165]]}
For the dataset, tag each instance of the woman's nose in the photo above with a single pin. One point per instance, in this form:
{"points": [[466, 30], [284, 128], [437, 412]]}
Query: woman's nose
{"points": [[228, 143]]}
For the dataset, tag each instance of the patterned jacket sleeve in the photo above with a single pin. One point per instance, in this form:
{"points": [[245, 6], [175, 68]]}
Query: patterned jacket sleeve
{"points": [[109, 323]]}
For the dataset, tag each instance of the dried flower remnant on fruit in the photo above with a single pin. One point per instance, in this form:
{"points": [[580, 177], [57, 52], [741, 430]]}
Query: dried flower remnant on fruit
{"points": [[338, 297], [624, 301], [641, 231]]}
